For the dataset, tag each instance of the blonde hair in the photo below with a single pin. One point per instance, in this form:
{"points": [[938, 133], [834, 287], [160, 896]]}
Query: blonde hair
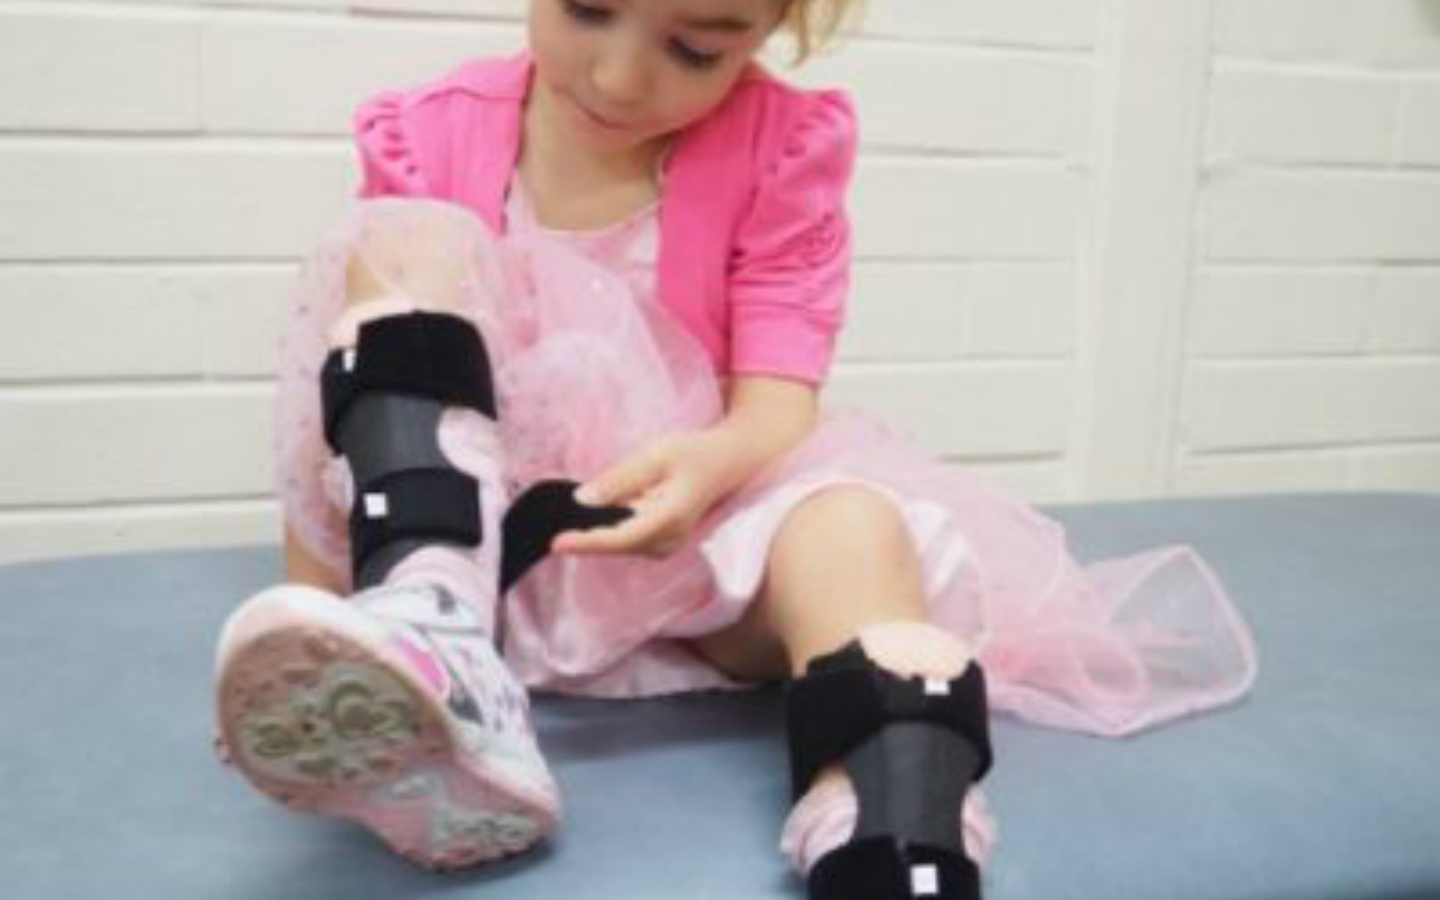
{"points": [[815, 23]]}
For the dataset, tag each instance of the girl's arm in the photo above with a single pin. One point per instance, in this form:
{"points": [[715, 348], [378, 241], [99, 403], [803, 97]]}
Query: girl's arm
{"points": [[765, 417], [302, 568]]}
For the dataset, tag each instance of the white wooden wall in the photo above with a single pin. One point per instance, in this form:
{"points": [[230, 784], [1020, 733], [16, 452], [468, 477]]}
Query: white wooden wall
{"points": [[1108, 248]]}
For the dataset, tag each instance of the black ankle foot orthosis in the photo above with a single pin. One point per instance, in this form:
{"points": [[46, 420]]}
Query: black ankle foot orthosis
{"points": [[383, 402], [912, 749]]}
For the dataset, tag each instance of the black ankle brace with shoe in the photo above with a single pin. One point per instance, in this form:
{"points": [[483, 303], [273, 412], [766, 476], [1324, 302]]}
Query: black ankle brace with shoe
{"points": [[912, 748], [383, 401]]}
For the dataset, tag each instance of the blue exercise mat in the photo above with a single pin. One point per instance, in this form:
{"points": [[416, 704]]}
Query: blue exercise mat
{"points": [[1324, 785]]}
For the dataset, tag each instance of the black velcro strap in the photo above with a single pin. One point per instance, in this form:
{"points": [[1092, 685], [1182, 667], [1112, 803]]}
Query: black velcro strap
{"points": [[440, 505], [433, 355], [844, 698], [545, 509], [881, 869]]}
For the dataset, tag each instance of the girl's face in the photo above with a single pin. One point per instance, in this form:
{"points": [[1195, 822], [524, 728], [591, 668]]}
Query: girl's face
{"points": [[623, 73]]}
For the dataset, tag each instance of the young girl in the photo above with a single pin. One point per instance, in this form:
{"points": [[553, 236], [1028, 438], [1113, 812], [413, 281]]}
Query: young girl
{"points": [[621, 259]]}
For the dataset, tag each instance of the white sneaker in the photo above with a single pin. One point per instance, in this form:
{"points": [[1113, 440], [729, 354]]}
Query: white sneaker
{"points": [[391, 708]]}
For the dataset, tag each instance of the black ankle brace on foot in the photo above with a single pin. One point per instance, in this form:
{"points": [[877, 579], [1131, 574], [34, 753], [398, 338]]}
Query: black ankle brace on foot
{"points": [[383, 401], [912, 748]]}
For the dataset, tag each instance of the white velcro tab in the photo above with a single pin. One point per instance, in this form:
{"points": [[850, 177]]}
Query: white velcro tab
{"points": [[376, 506], [937, 687], [347, 360], [924, 881]]}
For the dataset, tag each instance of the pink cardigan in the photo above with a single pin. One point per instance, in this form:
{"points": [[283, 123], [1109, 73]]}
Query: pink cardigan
{"points": [[755, 242]]}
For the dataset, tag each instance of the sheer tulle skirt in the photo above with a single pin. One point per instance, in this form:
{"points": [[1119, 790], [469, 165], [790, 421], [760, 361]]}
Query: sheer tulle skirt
{"points": [[590, 369]]}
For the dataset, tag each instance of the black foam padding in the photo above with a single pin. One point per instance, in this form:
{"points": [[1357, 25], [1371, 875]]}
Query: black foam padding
{"points": [[433, 355], [441, 505], [844, 698], [545, 509], [884, 869]]}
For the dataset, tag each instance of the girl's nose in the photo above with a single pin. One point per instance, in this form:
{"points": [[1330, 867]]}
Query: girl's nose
{"points": [[620, 77]]}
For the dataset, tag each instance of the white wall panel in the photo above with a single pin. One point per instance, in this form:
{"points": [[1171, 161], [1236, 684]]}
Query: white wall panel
{"points": [[1107, 248]]}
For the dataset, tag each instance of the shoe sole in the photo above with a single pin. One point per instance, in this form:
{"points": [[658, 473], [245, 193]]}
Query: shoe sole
{"points": [[320, 716]]}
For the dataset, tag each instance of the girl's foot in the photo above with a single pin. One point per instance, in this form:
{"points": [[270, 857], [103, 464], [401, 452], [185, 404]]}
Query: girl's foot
{"points": [[392, 709], [894, 749]]}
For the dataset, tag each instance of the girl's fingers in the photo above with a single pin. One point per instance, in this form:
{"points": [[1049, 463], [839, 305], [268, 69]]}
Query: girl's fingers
{"points": [[634, 534], [621, 483]]}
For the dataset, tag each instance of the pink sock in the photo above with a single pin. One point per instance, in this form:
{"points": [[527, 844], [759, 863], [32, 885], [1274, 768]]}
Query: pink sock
{"points": [[825, 818]]}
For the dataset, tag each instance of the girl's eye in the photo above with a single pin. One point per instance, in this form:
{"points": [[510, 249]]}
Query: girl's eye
{"points": [[585, 13], [692, 58]]}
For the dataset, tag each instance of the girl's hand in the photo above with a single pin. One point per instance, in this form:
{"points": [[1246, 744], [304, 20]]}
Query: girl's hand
{"points": [[670, 485]]}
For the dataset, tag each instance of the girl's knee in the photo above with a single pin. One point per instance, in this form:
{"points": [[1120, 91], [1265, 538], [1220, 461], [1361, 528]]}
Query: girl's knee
{"points": [[406, 256], [854, 520], [422, 251], [854, 511]]}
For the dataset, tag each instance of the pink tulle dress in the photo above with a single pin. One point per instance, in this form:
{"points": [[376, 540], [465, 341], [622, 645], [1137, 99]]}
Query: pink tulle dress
{"points": [[590, 368]]}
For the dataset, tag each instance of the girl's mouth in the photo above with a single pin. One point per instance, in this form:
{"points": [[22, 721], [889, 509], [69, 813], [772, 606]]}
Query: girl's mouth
{"points": [[601, 122]]}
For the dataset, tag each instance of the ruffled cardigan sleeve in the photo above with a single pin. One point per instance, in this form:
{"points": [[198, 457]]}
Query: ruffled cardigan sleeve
{"points": [[790, 268], [388, 163]]}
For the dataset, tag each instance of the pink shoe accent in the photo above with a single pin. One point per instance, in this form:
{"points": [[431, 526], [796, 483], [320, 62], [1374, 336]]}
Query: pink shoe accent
{"points": [[425, 664], [320, 710]]}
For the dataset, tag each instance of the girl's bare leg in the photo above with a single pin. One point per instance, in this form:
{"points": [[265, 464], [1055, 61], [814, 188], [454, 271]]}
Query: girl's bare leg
{"points": [[842, 568]]}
